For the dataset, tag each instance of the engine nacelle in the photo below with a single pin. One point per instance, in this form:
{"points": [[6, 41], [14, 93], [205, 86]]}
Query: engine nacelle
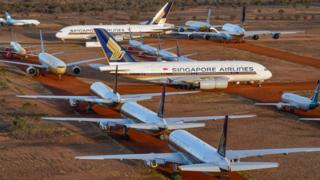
{"points": [[216, 83], [276, 35], [190, 36], [76, 70], [181, 29], [74, 103], [255, 37], [206, 37], [32, 71], [154, 163], [279, 107]]}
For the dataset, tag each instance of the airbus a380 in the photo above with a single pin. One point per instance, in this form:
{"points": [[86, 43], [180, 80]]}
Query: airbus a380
{"points": [[140, 118], [193, 154], [155, 25], [51, 63], [292, 101], [9, 21], [202, 74]]}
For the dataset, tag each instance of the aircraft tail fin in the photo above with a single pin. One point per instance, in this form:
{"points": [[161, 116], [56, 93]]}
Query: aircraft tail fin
{"points": [[315, 96], [244, 13], [41, 42], [223, 139], [162, 101], [7, 16], [209, 16], [161, 17], [111, 48]]}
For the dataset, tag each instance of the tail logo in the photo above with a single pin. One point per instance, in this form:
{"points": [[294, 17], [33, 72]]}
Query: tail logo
{"points": [[117, 52]]}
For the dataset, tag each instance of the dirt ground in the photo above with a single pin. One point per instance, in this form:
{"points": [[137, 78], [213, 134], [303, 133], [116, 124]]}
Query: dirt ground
{"points": [[292, 60]]}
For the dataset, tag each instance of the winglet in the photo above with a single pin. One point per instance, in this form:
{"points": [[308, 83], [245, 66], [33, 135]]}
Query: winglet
{"points": [[223, 139], [115, 85]]}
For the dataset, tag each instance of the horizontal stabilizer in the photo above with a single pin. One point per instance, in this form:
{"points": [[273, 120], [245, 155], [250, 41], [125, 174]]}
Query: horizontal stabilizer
{"points": [[200, 167], [143, 126], [245, 166], [207, 118], [184, 126]]}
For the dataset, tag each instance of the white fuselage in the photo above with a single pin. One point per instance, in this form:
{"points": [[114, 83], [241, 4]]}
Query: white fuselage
{"points": [[198, 25], [294, 99], [193, 148], [105, 92], [140, 114], [234, 71], [53, 64], [83, 32], [17, 48]]}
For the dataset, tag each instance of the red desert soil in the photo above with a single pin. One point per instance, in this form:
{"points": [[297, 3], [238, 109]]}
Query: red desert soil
{"points": [[272, 52]]}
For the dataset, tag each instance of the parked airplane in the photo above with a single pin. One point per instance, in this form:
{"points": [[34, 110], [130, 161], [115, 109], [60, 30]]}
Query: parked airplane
{"points": [[104, 95], [202, 74], [51, 63], [163, 54], [292, 101], [228, 32], [193, 154], [16, 50], [140, 118], [9, 21], [154, 26]]}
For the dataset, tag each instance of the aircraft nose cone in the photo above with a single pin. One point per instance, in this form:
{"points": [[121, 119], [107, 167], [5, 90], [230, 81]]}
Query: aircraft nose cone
{"points": [[269, 74], [59, 35]]}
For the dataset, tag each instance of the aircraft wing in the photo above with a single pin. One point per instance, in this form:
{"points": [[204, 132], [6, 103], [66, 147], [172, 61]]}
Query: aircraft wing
{"points": [[24, 64], [119, 121], [309, 119], [85, 61], [238, 166], [266, 32], [237, 154], [160, 158], [206, 118], [139, 97], [92, 99]]}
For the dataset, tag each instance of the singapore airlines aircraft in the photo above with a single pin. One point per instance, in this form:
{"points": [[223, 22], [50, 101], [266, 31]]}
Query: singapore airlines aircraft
{"points": [[9, 21], [228, 32], [154, 26], [140, 118], [200, 74], [51, 63], [193, 154], [292, 101], [105, 96]]}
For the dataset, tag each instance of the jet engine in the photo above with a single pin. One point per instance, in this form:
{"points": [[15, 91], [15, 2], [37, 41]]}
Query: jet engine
{"points": [[74, 103], [216, 83], [154, 163], [276, 35], [190, 36], [31, 71], [206, 37], [255, 37], [76, 70], [181, 29]]}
